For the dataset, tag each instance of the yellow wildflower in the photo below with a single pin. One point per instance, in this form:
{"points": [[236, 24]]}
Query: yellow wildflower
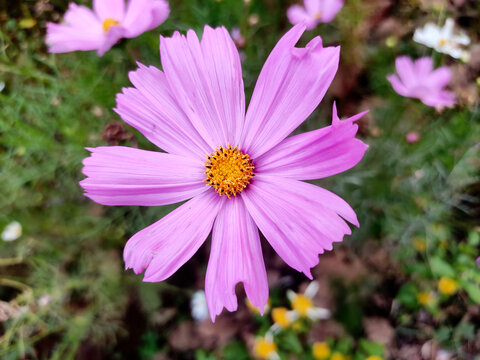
{"points": [[425, 298], [447, 286], [419, 244], [265, 348], [321, 350], [338, 356], [374, 357], [281, 317]]}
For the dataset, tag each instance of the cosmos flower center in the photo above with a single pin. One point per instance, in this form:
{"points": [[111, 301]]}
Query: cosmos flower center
{"points": [[317, 15], [108, 23], [228, 170], [442, 42]]}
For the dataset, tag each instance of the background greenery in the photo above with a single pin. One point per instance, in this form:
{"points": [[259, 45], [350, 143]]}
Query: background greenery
{"points": [[63, 291]]}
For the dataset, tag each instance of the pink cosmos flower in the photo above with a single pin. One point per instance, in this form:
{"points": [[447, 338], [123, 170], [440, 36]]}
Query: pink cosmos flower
{"points": [[314, 12], [240, 171], [412, 137], [100, 29], [417, 79]]}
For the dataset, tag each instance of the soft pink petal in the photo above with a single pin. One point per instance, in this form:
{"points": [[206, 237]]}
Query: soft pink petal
{"points": [[423, 66], [439, 78], [439, 99], [406, 71], [315, 154], [111, 38], [163, 247], [291, 84], [82, 31], [118, 175], [109, 9], [206, 79], [150, 108], [299, 220], [398, 86], [330, 9], [235, 256], [297, 15], [144, 15], [313, 6]]}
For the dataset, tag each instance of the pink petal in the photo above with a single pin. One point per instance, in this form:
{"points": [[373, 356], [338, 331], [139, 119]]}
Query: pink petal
{"points": [[299, 220], [206, 79], [110, 38], [398, 86], [315, 154], [163, 247], [406, 71], [144, 15], [118, 175], [330, 9], [441, 98], [109, 9], [423, 66], [82, 31], [313, 6], [151, 109], [439, 78], [297, 15], [292, 83], [235, 256]]}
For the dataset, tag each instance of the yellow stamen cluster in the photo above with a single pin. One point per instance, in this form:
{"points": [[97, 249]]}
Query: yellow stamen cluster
{"points": [[280, 317], [442, 42], [229, 170], [264, 348], [108, 23], [317, 16], [301, 304]]}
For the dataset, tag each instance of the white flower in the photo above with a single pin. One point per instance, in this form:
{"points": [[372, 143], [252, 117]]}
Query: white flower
{"points": [[199, 306], [443, 39], [12, 231], [303, 304]]}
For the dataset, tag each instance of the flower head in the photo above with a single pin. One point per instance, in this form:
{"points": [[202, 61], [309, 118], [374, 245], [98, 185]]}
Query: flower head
{"points": [[321, 350], [198, 305], [265, 348], [413, 137], [303, 304], [240, 171], [101, 28], [417, 79], [283, 318], [447, 286], [314, 12], [442, 39], [12, 231], [426, 298]]}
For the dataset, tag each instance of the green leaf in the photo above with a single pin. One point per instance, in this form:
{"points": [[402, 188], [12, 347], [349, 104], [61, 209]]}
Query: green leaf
{"points": [[441, 268], [371, 348], [473, 291]]}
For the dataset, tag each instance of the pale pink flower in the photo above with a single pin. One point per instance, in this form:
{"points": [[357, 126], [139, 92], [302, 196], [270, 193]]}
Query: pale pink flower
{"points": [[314, 12], [101, 28], [417, 79], [412, 137], [195, 108]]}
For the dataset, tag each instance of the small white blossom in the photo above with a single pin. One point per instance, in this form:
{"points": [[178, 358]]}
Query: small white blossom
{"points": [[12, 231], [304, 306], [443, 39], [199, 306]]}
